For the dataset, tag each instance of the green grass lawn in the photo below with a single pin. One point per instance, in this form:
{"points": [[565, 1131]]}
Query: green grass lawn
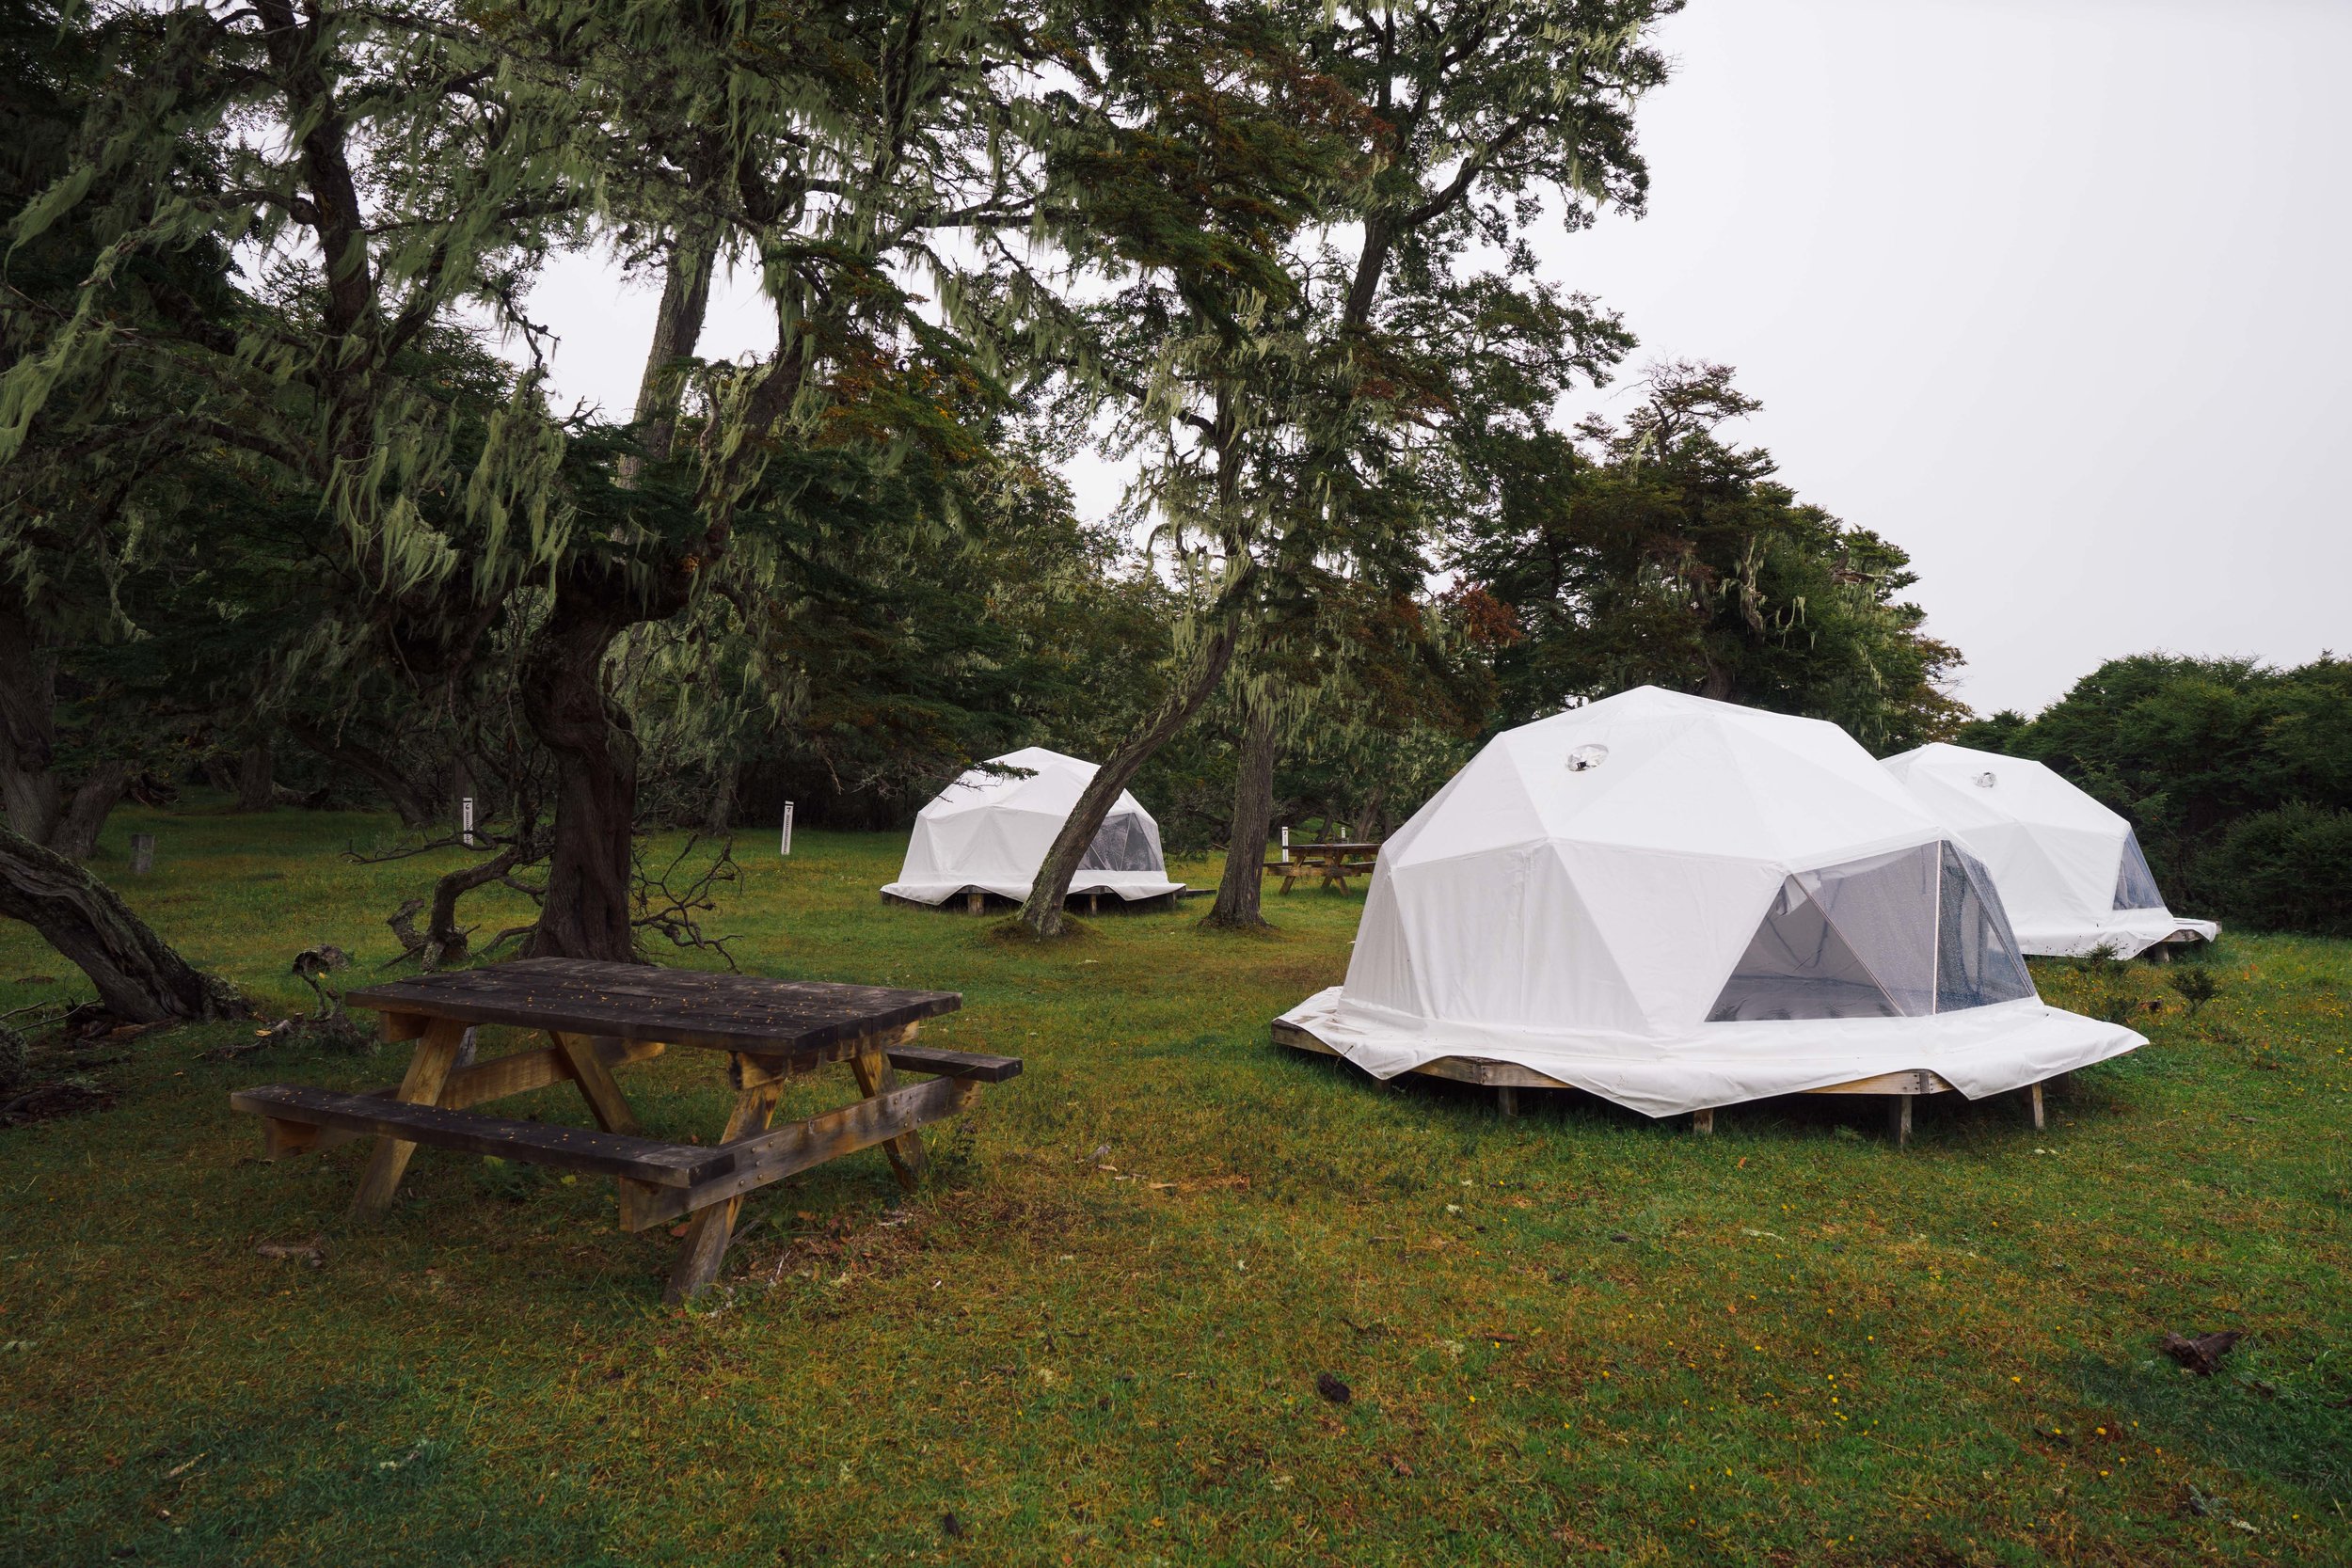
{"points": [[1095, 1335]]}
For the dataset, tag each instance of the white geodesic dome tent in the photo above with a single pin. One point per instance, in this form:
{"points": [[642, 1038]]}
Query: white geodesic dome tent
{"points": [[991, 831], [2069, 870], [1678, 904]]}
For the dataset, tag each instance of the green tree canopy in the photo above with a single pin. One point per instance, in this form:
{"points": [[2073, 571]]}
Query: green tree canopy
{"points": [[1657, 553]]}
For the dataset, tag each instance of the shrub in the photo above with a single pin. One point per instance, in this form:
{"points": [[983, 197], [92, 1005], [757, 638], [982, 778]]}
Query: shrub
{"points": [[2285, 869], [2196, 984], [2099, 984]]}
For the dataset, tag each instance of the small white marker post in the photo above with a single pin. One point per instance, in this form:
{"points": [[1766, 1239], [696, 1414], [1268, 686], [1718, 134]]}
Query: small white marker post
{"points": [[786, 847], [1286, 846], [465, 821]]}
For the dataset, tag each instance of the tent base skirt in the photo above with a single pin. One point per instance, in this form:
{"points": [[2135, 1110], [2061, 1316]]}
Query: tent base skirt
{"points": [[1977, 1053], [1508, 1078], [2128, 936], [1086, 896]]}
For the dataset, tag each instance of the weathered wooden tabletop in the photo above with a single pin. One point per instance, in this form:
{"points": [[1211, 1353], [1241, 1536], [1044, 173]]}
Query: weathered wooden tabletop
{"points": [[676, 1006], [598, 1017]]}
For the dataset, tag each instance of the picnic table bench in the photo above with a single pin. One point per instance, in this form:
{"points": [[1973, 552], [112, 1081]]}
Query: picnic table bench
{"points": [[1333, 862], [598, 1017]]}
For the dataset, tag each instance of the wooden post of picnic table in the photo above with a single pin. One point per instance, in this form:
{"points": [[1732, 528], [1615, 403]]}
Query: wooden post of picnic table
{"points": [[598, 1017]]}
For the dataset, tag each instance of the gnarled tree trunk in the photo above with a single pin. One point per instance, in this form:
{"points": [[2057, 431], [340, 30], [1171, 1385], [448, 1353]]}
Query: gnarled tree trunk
{"points": [[586, 912], [28, 779], [256, 782], [1237, 891], [137, 973], [74, 833], [32, 794], [719, 817], [1041, 914], [677, 326]]}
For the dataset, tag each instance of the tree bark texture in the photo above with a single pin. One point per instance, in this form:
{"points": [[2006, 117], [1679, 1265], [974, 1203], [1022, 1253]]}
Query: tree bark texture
{"points": [[1041, 915], [74, 833], [444, 942], [32, 792], [585, 914], [28, 680], [720, 817], [256, 782], [139, 975], [678, 327], [1237, 891]]}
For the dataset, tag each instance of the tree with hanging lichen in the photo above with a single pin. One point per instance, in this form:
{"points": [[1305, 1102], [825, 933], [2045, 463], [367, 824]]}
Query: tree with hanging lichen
{"points": [[378, 169], [941, 613], [1484, 125], [1361, 691], [1440, 134], [88, 505], [441, 153], [833, 147], [1212, 147]]}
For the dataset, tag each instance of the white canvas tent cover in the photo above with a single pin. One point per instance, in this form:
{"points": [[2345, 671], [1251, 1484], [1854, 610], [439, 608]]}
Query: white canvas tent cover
{"points": [[1678, 904], [991, 830], [2070, 871]]}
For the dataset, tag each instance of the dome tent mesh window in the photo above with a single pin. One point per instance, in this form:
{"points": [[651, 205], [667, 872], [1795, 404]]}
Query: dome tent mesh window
{"points": [[1125, 841], [1977, 958], [2135, 884], [1900, 935]]}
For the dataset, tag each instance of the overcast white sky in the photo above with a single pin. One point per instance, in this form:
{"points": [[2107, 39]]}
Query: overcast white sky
{"points": [[2051, 293]]}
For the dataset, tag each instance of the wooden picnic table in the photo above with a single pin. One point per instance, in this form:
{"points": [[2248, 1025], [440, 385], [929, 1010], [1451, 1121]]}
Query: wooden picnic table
{"points": [[1334, 862], [598, 1017]]}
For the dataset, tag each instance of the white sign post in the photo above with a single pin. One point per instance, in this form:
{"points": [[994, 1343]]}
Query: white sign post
{"points": [[787, 846], [1286, 846], [465, 822]]}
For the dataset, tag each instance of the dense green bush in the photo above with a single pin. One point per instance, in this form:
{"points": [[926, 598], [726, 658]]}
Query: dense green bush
{"points": [[2288, 869]]}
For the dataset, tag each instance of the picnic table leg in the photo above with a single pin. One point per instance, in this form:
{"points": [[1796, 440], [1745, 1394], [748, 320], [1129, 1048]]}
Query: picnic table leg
{"points": [[428, 1070], [875, 1076], [711, 1229], [596, 1083]]}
